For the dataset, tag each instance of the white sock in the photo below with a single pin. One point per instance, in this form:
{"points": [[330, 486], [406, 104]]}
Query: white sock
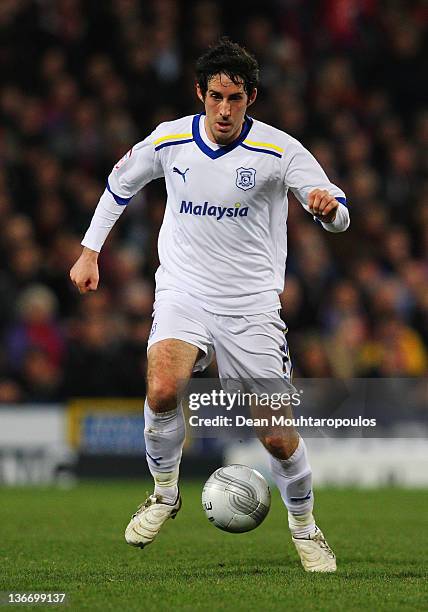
{"points": [[293, 477], [164, 434]]}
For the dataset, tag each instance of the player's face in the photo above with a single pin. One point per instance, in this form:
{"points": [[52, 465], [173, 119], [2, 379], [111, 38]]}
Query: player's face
{"points": [[225, 107]]}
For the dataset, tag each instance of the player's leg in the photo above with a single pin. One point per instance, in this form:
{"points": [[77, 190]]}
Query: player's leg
{"points": [[254, 347], [293, 477], [170, 365], [179, 343]]}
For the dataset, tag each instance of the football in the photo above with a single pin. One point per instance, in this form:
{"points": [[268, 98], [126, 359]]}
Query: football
{"points": [[236, 498]]}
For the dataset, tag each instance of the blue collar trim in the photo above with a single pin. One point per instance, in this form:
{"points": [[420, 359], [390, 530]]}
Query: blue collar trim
{"points": [[214, 154]]}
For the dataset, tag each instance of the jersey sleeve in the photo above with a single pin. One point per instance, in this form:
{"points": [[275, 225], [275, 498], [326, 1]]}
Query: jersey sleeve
{"points": [[303, 174], [138, 166]]}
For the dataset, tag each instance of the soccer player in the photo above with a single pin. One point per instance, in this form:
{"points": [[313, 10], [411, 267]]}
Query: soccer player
{"points": [[222, 250]]}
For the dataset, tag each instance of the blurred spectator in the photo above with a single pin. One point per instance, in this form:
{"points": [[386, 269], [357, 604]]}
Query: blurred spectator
{"points": [[10, 392], [90, 364], [40, 377], [395, 350], [344, 346], [106, 355], [35, 328]]}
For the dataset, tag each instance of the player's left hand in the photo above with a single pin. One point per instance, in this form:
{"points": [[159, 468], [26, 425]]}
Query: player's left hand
{"points": [[323, 205]]}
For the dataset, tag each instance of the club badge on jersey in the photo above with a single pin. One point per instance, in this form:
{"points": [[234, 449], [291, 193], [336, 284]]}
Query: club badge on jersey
{"points": [[245, 178]]}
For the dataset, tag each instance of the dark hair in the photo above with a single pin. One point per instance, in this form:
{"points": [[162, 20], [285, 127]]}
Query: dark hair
{"points": [[230, 59]]}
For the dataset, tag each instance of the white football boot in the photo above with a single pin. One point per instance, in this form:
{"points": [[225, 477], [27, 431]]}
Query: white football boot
{"points": [[146, 523], [315, 554]]}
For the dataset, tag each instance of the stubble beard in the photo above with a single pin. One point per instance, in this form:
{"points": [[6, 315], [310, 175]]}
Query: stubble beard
{"points": [[225, 139]]}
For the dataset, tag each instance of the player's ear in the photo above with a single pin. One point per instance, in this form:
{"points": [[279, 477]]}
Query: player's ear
{"points": [[252, 98], [199, 93]]}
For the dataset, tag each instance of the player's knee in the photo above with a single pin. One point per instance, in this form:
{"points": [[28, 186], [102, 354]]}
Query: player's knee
{"points": [[279, 446], [162, 395], [273, 442]]}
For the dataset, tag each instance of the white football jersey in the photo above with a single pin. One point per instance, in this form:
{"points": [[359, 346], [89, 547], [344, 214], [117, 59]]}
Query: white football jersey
{"points": [[223, 239]]}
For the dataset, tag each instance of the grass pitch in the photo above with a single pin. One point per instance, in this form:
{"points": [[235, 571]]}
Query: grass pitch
{"points": [[72, 541]]}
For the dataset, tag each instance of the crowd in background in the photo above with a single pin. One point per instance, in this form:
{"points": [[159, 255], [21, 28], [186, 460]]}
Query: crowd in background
{"points": [[83, 80]]}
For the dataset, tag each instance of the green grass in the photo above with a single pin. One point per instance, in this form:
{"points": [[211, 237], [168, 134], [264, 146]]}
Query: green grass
{"points": [[72, 541]]}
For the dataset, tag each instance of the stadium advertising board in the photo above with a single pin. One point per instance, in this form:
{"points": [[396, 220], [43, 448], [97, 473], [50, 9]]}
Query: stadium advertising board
{"points": [[106, 426]]}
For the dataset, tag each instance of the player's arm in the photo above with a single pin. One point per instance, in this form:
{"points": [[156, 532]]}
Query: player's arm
{"points": [[137, 168], [311, 186]]}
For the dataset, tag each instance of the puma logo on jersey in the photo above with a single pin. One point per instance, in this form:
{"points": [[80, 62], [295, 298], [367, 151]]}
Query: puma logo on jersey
{"points": [[218, 212], [182, 174]]}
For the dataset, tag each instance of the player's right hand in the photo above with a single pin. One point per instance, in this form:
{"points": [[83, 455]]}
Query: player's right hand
{"points": [[84, 274]]}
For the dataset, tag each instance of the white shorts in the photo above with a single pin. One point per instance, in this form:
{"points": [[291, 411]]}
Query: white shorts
{"points": [[248, 346]]}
